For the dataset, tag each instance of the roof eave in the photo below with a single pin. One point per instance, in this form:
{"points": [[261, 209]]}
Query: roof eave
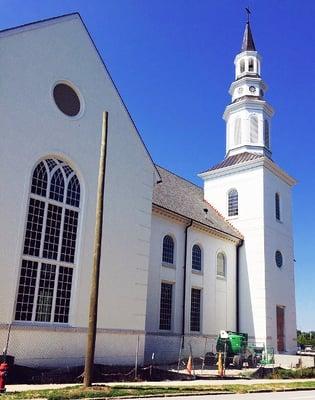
{"points": [[184, 218], [251, 164]]}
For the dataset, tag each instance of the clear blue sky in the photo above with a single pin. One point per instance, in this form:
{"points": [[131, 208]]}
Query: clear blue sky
{"points": [[173, 63]]}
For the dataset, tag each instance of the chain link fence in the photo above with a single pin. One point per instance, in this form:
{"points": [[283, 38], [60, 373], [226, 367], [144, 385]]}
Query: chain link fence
{"points": [[57, 354]]}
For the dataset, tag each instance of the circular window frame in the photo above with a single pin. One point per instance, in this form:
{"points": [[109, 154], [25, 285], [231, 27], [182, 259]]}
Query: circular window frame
{"points": [[278, 253], [77, 92]]}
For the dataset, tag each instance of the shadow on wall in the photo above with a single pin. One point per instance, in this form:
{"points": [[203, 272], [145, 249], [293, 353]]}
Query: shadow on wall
{"points": [[246, 293]]}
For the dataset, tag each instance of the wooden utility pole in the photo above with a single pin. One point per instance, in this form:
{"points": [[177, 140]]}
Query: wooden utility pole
{"points": [[90, 349]]}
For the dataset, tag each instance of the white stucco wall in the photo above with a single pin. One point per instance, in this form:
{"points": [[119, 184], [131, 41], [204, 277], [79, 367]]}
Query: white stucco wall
{"points": [[262, 284], [32, 127], [249, 185], [280, 284], [217, 294]]}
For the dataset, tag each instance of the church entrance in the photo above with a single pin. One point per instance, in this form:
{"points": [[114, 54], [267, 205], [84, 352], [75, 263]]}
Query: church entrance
{"points": [[280, 328]]}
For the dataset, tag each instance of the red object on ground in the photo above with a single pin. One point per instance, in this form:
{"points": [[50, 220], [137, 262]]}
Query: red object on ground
{"points": [[4, 367]]}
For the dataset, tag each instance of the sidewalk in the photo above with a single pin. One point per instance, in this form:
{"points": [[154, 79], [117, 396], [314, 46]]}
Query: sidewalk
{"points": [[198, 382]]}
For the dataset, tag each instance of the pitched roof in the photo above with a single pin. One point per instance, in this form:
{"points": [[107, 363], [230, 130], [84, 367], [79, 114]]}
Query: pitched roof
{"points": [[236, 159], [182, 197], [248, 41]]}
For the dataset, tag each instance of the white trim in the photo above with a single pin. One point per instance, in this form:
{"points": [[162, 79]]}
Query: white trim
{"points": [[248, 104], [38, 25], [247, 165], [247, 80], [194, 270], [172, 283], [77, 91], [40, 259], [223, 277], [164, 263], [200, 311]]}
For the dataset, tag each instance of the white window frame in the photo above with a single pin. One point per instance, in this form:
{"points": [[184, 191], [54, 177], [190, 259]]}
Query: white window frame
{"points": [[279, 207], [228, 202], [197, 271], [40, 260], [172, 306], [220, 276], [164, 263]]}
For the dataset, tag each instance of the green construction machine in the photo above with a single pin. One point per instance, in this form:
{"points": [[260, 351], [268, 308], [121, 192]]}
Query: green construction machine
{"points": [[234, 349]]}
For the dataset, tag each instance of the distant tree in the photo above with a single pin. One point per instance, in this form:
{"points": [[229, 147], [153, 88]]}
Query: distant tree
{"points": [[305, 338]]}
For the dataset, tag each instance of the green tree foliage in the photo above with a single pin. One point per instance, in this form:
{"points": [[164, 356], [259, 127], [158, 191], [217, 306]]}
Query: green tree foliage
{"points": [[306, 338]]}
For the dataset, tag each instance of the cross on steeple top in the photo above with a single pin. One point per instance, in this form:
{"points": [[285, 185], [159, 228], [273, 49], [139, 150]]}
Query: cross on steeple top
{"points": [[248, 13], [248, 41]]}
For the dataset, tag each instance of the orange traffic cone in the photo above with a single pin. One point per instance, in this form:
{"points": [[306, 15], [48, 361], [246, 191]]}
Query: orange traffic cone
{"points": [[189, 365]]}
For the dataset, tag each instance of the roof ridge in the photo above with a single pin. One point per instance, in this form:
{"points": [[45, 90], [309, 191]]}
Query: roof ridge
{"points": [[222, 216], [180, 177], [39, 21]]}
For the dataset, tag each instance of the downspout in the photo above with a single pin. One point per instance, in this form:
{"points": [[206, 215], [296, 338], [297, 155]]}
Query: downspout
{"points": [[238, 246], [184, 281]]}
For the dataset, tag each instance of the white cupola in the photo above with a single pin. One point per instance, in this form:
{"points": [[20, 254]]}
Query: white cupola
{"points": [[248, 116]]}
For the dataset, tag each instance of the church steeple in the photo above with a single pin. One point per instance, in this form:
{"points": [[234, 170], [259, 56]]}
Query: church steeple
{"points": [[248, 116], [248, 41]]}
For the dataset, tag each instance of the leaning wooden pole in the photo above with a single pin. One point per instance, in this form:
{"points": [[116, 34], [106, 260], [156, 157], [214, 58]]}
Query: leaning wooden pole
{"points": [[90, 349]]}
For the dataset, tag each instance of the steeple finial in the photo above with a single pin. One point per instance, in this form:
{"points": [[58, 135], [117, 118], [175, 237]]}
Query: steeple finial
{"points": [[248, 41], [248, 13]]}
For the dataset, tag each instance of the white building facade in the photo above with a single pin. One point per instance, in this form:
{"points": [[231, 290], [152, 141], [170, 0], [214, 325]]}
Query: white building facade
{"points": [[179, 262], [47, 219]]}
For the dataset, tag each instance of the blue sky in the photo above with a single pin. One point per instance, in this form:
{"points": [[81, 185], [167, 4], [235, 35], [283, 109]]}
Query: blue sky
{"points": [[173, 63]]}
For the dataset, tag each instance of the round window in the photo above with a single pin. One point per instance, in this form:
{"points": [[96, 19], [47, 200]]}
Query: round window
{"points": [[67, 99], [279, 259]]}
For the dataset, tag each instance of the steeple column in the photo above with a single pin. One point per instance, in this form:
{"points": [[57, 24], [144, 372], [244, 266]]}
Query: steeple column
{"points": [[248, 116]]}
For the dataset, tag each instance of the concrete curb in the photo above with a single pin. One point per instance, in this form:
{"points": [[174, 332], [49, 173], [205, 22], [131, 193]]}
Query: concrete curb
{"points": [[149, 396]]}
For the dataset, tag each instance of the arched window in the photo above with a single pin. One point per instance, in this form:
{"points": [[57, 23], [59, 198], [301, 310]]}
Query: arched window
{"points": [[277, 206], [196, 258], [238, 132], [221, 265], [266, 133], [242, 66], [250, 65], [168, 250], [48, 258], [253, 129], [232, 203]]}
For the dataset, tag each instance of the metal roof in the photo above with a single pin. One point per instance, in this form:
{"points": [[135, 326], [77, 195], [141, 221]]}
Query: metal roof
{"points": [[236, 159], [248, 41]]}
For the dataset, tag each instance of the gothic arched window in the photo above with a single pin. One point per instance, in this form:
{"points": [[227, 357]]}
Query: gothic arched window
{"points": [[50, 238], [221, 265], [168, 250], [277, 206], [196, 258], [232, 203], [266, 134], [238, 131], [253, 129]]}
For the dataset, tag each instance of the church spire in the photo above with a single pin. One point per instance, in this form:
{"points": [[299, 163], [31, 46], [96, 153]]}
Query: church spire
{"points": [[248, 41], [248, 117]]}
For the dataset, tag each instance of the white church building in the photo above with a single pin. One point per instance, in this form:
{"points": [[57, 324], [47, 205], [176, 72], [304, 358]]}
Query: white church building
{"points": [[179, 262]]}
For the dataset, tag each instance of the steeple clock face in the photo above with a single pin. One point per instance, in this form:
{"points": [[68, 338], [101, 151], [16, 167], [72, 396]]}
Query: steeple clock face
{"points": [[252, 89]]}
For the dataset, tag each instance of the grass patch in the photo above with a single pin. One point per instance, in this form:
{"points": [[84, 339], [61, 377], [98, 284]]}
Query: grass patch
{"points": [[77, 392], [293, 373]]}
